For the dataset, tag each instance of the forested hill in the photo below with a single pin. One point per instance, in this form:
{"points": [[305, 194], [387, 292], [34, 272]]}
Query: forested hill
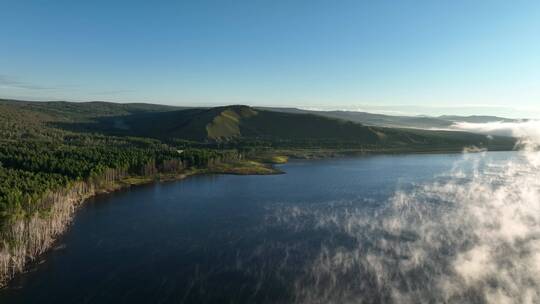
{"points": [[222, 124], [236, 125]]}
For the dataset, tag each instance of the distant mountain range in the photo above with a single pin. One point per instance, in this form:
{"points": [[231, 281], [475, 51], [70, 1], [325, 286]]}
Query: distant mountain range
{"points": [[278, 126], [100, 108], [381, 120]]}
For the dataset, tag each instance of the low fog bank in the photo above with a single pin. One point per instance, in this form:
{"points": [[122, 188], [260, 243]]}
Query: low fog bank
{"points": [[528, 131]]}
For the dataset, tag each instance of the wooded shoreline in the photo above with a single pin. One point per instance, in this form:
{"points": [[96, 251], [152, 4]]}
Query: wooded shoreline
{"points": [[29, 237]]}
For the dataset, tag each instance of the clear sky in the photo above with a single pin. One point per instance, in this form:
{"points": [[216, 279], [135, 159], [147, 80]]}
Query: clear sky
{"points": [[420, 57]]}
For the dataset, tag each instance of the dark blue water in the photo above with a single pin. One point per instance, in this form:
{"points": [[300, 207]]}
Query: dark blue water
{"points": [[231, 239]]}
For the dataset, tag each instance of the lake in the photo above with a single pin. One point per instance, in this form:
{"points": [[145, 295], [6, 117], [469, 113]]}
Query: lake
{"points": [[374, 229]]}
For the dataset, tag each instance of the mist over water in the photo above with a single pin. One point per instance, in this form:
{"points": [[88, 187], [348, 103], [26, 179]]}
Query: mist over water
{"points": [[470, 236]]}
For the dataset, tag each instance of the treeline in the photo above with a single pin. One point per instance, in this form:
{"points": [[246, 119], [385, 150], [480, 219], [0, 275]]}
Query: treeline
{"points": [[30, 169]]}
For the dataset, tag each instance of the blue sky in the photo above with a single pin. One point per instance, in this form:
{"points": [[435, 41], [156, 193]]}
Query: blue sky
{"points": [[415, 57]]}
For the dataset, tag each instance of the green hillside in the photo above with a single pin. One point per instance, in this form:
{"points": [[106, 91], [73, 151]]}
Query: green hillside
{"points": [[240, 124], [222, 124], [77, 111], [230, 124]]}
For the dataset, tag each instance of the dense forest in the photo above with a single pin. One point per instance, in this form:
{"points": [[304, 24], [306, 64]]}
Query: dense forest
{"points": [[30, 169]]}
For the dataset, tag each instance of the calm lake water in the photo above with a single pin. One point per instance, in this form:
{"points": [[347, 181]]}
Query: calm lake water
{"points": [[390, 229]]}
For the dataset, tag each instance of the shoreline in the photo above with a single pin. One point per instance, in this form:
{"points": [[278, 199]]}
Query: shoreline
{"points": [[33, 236], [335, 153], [36, 235]]}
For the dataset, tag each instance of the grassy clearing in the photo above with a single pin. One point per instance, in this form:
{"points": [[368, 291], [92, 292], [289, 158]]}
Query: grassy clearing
{"points": [[137, 180], [271, 158], [278, 159], [245, 168]]}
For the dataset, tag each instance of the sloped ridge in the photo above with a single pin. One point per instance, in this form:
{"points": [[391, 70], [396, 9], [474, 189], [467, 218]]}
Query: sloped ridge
{"points": [[235, 124], [286, 126], [226, 124], [222, 124]]}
